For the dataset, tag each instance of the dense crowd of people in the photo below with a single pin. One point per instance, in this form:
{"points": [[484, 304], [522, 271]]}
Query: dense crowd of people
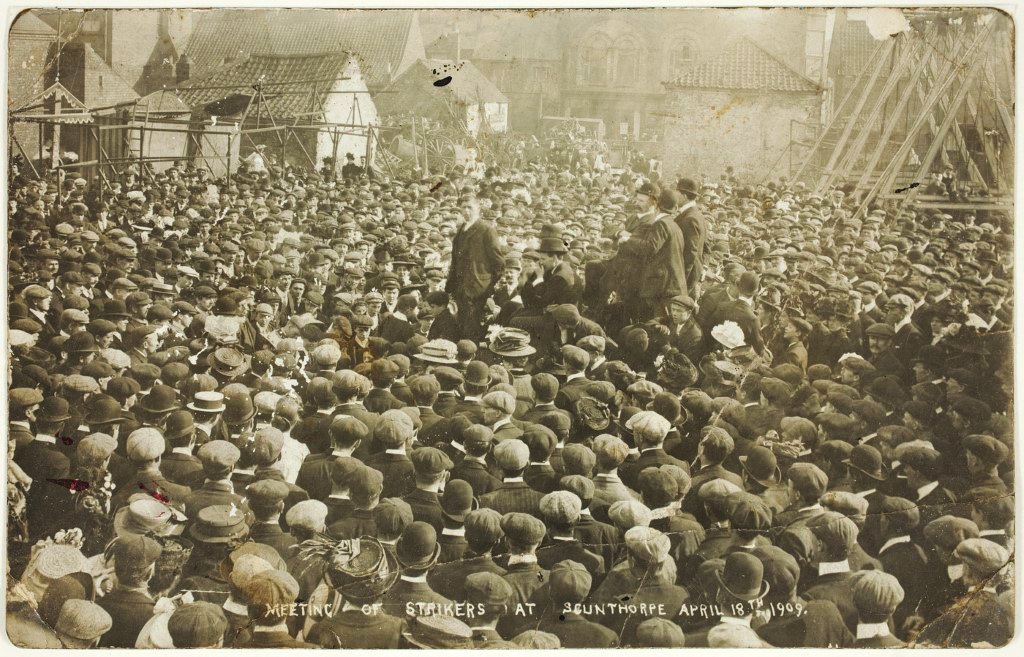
{"points": [[530, 408]]}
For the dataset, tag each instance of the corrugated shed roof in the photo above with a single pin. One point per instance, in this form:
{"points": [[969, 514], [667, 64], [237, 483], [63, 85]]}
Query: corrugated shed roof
{"points": [[378, 39], [743, 65], [288, 88]]}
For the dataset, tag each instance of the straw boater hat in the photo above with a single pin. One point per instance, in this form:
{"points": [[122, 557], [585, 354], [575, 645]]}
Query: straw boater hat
{"points": [[438, 351], [511, 342]]}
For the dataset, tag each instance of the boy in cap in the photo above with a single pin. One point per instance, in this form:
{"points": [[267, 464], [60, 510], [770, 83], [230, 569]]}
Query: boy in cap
{"points": [[218, 458], [561, 615], [365, 486], [491, 596], [81, 624], [876, 595], [473, 467], [523, 535], [456, 503], [483, 534], [560, 511], [269, 595], [394, 432], [129, 604], [266, 499], [431, 467], [512, 456], [197, 625]]}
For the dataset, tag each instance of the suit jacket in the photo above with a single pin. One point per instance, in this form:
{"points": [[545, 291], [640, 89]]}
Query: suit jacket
{"points": [[477, 475], [743, 314], [471, 408], [558, 287], [410, 592], [295, 493], [476, 261], [270, 533], [426, 507], [154, 483], [649, 458], [570, 392], [575, 631], [209, 494], [694, 230], [182, 469], [452, 547], [359, 522], [537, 412], [130, 610], [820, 626], [449, 579], [836, 588], [513, 497], [394, 329], [445, 405], [399, 475], [379, 400], [542, 478], [507, 432], [907, 562], [656, 251], [354, 629], [525, 579], [434, 427], [620, 583], [315, 475]]}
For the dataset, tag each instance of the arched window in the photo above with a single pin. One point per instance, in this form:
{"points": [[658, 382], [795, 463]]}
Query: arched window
{"points": [[627, 62], [594, 61], [682, 54]]}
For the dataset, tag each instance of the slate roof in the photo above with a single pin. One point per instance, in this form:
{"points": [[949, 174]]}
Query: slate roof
{"points": [[743, 65], [852, 47], [281, 76], [376, 38]]}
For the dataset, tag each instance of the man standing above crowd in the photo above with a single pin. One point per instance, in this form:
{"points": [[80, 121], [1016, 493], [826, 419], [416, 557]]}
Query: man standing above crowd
{"points": [[476, 264]]}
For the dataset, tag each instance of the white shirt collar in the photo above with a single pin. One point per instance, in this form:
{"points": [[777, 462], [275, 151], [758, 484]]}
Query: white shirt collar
{"points": [[991, 532], [43, 438], [418, 579], [893, 541], [865, 493], [900, 324], [522, 558], [235, 607], [511, 480], [871, 630], [864, 439], [475, 398], [831, 567], [448, 531], [577, 375], [395, 451], [926, 489], [813, 507], [500, 423], [458, 446], [280, 627], [399, 315], [686, 206], [182, 450]]}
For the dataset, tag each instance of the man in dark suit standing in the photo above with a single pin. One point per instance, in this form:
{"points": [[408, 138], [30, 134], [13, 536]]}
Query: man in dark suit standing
{"points": [[476, 264], [695, 233], [741, 310], [655, 250]]}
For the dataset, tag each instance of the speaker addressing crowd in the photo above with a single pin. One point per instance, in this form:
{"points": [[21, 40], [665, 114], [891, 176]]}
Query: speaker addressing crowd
{"points": [[536, 407]]}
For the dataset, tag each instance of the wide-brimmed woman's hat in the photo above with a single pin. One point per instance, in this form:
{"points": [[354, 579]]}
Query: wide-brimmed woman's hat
{"points": [[228, 362]]}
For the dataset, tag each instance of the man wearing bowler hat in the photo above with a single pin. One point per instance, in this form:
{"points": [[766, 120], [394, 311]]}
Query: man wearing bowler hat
{"points": [[417, 552], [694, 229]]}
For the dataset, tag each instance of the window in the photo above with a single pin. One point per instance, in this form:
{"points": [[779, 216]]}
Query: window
{"points": [[594, 61], [681, 58], [627, 61]]}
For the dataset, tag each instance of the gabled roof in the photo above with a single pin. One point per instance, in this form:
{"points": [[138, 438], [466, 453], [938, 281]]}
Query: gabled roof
{"points": [[377, 38], [30, 39], [288, 88], [103, 86], [743, 65]]}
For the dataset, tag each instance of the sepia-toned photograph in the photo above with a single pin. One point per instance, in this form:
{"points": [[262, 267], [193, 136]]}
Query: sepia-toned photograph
{"points": [[510, 328]]}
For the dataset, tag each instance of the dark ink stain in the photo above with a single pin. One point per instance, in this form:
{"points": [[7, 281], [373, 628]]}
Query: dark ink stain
{"points": [[155, 494], [443, 82], [624, 598], [67, 440], [73, 485], [913, 185], [561, 617]]}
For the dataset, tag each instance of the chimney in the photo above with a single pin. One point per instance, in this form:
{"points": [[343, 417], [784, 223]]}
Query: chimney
{"points": [[183, 69]]}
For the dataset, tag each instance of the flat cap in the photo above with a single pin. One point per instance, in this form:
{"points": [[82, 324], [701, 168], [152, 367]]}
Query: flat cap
{"points": [[647, 544], [575, 358], [537, 640], [197, 625], [267, 445], [484, 525], [578, 485], [570, 582], [267, 492], [218, 455], [810, 480], [307, 514], [629, 513], [522, 528], [366, 482], [949, 531], [96, 447], [649, 425], [137, 550], [512, 455], [83, 620], [983, 556], [393, 428], [271, 588], [488, 589], [988, 449], [561, 508], [145, 444], [610, 450], [659, 633], [876, 594], [837, 532], [24, 397], [500, 401]]}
